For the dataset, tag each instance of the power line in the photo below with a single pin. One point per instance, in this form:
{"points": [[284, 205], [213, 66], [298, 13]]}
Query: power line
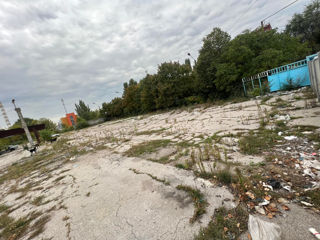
{"points": [[279, 11]]}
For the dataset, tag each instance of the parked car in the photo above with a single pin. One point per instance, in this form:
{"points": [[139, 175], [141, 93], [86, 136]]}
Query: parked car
{"points": [[12, 148], [54, 137]]}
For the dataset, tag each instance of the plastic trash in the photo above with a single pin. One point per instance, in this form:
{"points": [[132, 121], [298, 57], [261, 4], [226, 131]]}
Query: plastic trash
{"points": [[267, 186], [315, 233], [286, 187], [274, 183], [260, 210], [262, 230], [307, 204], [282, 118], [290, 138], [264, 203]]}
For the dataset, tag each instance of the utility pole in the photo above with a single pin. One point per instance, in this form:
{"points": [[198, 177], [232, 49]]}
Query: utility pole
{"points": [[23, 124], [4, 114], [64, 106]]}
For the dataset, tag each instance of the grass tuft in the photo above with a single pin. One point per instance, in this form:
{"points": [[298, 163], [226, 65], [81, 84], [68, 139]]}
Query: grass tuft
{"points": [[199, 201], [225, 225], [147, 147], [224, 176]]}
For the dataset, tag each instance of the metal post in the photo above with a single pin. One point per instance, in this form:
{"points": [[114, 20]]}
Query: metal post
{"points": [[23, 124], [260, 86]]}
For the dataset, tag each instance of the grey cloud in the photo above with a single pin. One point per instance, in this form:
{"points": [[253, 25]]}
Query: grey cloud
{"points": [[86, 49]]}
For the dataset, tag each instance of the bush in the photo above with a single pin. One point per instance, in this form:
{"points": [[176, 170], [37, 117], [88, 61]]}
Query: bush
{"points": [[193, 100], [254, 92], [46, 134], [81, 123]]}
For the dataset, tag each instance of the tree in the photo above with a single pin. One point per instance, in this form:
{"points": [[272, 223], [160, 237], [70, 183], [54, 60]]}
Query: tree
{"points": [[131, 98], [254, 52], [112, 110], [148, 93], [306, 25], [175, 82], [83, 110], [81, 123], [50, 125], [209, 56], [28, 121]]}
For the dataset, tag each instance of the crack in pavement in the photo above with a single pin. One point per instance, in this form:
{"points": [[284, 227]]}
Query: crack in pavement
{"points": [[131, 226], [175, 232]]}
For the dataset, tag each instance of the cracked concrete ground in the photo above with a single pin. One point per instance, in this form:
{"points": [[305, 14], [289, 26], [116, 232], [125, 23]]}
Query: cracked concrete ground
{"points": [[95, 194]]}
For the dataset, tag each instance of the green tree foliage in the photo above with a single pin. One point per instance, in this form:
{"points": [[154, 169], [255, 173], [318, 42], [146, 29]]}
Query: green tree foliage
{"points": [[306, 25], [131, 98], [45, 134], [50, 125], [84, 111], [253, 52], [28, 121], [169, 87], [210, 53], [113, 109], [175, 82], [81, 123], [148, 93]]}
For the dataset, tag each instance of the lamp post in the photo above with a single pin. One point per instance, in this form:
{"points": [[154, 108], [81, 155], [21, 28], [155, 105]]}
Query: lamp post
{"points": [[192, 57], [195, 61]]}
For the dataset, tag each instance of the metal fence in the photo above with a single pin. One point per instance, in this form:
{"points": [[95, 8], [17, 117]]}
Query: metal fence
{"points": [[314, 73]]}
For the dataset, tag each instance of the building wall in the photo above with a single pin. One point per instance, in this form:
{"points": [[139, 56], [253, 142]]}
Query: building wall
{"points": [[69, 120]]}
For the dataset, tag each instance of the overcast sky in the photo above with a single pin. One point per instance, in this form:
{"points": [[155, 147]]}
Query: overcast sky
{"points": [[87, 49]]}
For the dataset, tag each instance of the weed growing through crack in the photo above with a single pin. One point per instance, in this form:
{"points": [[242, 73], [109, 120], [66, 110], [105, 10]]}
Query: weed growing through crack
{"points": [[146, 147], [3, 208], [265, 99], [199, 201], [38, 227], [226, 224], [14, 229], [224, 176], [38, 200], [150, 132], [165, 182], [257, 141]]}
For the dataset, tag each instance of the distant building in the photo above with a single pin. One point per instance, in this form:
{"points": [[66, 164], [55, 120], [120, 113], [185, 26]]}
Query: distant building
{"points": [[69, 120], [267, 27]]}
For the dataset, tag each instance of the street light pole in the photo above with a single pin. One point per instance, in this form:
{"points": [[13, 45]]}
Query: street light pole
{"points": [[195, 61]]}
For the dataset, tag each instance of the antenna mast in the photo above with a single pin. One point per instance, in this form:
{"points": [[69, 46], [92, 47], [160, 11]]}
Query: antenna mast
{"points": [[64, 106], [4, 114]]}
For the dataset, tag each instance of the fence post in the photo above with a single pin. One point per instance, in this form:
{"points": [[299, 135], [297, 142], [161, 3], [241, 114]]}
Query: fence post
{"points": [[260, 87], [244, 87]]}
